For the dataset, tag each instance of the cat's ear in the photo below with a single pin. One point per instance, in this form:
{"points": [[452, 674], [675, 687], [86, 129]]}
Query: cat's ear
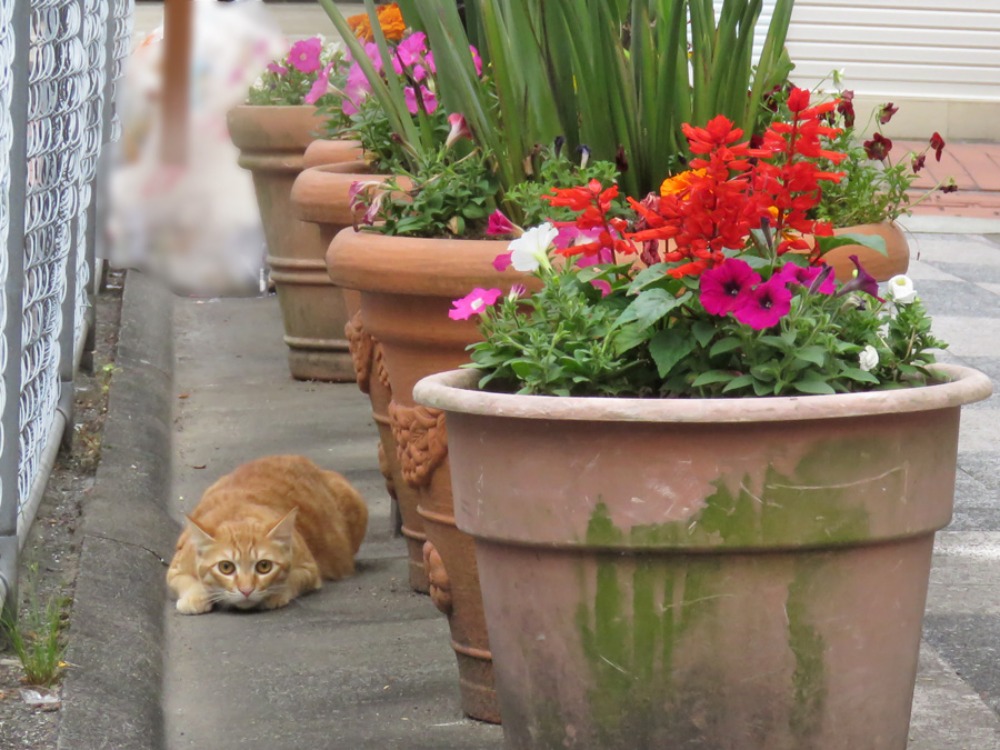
{"points": [[198, 535], [281, 532]]}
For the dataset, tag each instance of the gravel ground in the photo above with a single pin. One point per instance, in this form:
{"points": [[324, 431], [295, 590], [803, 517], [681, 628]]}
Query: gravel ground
{"points": [[49, 561]]}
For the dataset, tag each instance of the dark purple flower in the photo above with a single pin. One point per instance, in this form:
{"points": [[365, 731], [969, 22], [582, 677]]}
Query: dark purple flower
{"points": [[862, 282], [727, 286], [878, 147], [767, 304], [937, 143], [885, 114], [918, 163]]}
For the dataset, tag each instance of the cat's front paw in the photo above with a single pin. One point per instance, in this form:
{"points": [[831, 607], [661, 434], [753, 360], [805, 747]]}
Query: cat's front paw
{"points": [[277, 601], [194, 604]]}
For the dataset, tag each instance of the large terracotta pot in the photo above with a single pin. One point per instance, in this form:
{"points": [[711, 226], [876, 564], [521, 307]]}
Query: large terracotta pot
{"points": [[320, 196], [407, 286], [272, 141], [882, 267], [740, 574]]}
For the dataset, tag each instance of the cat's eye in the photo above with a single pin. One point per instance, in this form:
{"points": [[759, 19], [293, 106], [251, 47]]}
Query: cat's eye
{"points": [[227, 567], [264, 566]]}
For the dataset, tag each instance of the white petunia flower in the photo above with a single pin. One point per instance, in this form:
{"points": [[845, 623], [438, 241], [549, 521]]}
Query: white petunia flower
{"points": [[531, 250], [900, 290], [868, 358]]}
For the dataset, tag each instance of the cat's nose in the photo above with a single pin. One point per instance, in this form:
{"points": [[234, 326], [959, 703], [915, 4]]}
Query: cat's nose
{"points": [[246, 592]]}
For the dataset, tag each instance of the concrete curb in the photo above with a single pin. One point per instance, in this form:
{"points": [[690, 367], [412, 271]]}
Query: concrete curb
{"points": [[111, 696]]}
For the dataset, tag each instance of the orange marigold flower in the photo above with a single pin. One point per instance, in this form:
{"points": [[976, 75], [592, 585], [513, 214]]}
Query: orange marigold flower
{"points": [[390, 18], [681, 183]]}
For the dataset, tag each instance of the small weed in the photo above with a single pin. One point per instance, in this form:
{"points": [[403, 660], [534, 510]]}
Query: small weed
{"points": [[36, 639]]}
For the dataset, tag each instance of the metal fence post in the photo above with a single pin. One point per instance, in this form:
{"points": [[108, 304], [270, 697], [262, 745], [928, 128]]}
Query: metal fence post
{"points": [[13, 291]]}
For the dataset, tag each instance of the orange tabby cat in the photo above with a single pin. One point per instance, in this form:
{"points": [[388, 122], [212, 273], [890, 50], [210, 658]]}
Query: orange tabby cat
{"points": [[267, 532]]}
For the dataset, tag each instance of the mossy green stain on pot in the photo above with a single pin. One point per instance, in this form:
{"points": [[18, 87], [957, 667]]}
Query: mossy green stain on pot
{"points": [[806, 643], [807, 508], [621, 640]]}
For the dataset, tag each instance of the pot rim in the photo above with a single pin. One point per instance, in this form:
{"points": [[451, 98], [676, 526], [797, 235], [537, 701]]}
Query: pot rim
{"points": [[454, 391]]}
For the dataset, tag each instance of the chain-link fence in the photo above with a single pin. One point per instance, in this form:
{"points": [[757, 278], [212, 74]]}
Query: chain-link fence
{"points": [[59, 63]]}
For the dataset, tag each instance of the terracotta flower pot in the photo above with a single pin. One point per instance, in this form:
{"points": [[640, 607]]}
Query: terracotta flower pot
{"points": [[331, 151], [272, 141], [320, 196], [695, 573], [407, 286], [882, 267]]}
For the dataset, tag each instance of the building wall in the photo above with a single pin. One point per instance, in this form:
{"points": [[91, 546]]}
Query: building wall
{"points": [[938, 60]]}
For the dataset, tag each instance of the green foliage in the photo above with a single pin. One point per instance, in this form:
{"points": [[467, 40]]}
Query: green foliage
{"points": [[446, 197], [558, 342], [287, 86], [36, 638], [655, 339], [549, 171]]}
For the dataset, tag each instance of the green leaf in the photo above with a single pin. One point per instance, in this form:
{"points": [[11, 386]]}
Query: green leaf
{"points": [[703, 332], [725, 345], [872, 241], [649, 307], [628, 337], [741, 381], [861, 376], [645, 277], [712, 376], [814, 387], [667, 348], [814, 354]]}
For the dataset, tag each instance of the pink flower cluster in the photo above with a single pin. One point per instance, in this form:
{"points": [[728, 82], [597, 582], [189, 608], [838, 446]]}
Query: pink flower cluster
{"points": [[411, 60]]}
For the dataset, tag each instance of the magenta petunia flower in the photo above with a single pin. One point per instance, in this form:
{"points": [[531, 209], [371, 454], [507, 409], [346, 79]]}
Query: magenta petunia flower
{"points": [[499, 224], [477, 61], [503, 261], [427, 98], [304, 55], [767, 304], [277, 68], [474, 303], [727, 286], [809, 276], [410, 52]]}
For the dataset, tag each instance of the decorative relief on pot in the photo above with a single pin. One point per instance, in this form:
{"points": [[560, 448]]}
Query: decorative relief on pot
{"points": [[440, 585], [378, 365], [421, 441], [361, 346], [383, 466]]}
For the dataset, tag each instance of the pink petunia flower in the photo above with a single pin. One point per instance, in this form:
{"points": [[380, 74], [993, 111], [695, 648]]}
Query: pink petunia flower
{"points": [[459, 130], [477, 61], [808, 276], [410, 51], [427, 98], [304, 55], [499, 224], [277, 68], [727, 286], [320, 86], [767, 304], [474, 303]]}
